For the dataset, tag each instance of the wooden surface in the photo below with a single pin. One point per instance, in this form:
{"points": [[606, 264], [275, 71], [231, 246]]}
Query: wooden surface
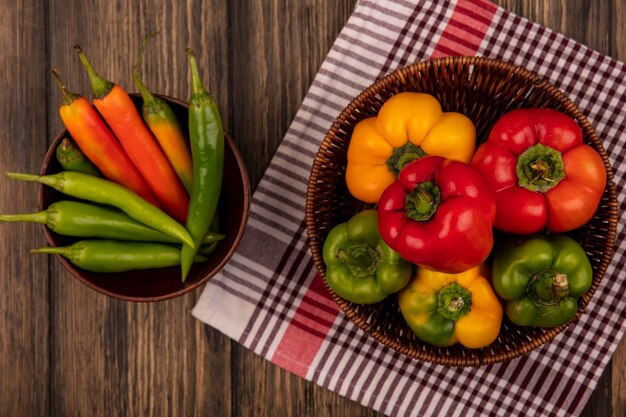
{"points": [[66, 350]]}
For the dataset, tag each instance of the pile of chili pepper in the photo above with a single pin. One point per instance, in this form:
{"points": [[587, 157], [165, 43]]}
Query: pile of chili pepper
{"points": [[141, 192], [436, 202]]}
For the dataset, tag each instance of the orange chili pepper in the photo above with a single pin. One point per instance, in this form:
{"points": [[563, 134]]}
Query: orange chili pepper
{"points": [[99, 144], [119, 111], [165, 126]]}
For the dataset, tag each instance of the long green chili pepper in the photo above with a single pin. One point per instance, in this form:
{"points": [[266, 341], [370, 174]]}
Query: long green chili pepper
{"points": [[72, 158], [102, 191], [207, 150], [73, 218], [117, 256], [76, 219]]}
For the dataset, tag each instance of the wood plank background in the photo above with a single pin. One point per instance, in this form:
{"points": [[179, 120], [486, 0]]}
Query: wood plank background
{"points": [[66, 350]]}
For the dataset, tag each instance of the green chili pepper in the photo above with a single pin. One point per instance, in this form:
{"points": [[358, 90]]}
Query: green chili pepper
{"points": [[73, 218], [208, 249], [360, 267], [72, 158], [212, 237], [207, 150], [541, 279], [118, 256], [102, 191]]}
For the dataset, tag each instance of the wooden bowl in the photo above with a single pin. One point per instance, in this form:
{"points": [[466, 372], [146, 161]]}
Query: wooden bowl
{"points": [[163, 283], [483, 89]]}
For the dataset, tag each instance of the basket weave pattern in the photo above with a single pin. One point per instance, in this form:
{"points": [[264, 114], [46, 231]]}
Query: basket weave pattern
{"points": [[483, 89]]}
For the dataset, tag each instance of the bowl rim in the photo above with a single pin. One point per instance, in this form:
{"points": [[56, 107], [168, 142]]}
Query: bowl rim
{"points": [[50, 154], [399, 75]]}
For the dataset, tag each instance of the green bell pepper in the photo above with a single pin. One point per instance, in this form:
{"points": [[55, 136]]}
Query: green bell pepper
{"points": [[360, 267], [541, 279]]}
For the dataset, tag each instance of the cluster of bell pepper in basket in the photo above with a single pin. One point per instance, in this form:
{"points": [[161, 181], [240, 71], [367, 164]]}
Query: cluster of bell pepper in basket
{"points": [[142, 192], [438, 200]]}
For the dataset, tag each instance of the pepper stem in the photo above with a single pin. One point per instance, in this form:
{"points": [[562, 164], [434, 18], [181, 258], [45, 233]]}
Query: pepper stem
{"points": [[361, 259], [454, 301], [40, 217], [421, 204], [148, 97], [54, 180], [72, 253], [548, 288], [540, 168], [196, 82], [402, 156], [52, 250], [100, 85], [23, 177], [68, 96]]}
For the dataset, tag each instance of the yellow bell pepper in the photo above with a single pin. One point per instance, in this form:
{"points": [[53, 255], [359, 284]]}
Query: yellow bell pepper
{"points": [[443, 309], [408, 126]]}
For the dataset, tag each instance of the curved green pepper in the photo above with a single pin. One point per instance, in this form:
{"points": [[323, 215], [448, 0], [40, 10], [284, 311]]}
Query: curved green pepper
{"points": [[360, 267], [541, 280]]}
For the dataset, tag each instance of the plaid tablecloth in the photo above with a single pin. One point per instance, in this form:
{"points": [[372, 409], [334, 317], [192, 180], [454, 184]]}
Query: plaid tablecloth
{"points": [[270, 299]]}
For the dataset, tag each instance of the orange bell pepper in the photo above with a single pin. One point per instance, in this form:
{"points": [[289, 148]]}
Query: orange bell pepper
{"points": [[408, 126]]}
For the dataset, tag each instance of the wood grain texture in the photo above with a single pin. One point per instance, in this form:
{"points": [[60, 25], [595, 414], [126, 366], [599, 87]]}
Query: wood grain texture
{"points": [[279, 46], [24, 289], [73, 352]]}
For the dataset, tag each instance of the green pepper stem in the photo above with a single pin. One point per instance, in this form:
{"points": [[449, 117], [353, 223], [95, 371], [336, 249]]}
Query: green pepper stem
{"points": [[548, 288], [100, 85], [52, 250], [148, 98], [540, 168], [196, 82], [72, 253], [421, 204], [68, 96], [361, 259], [454, 301], [51, 180], [23, 177], [402, 156], [40, 217]]}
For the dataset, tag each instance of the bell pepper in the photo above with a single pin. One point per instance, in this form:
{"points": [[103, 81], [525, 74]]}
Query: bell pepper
{"points": [[439, 215], [542, 173], [541, 279], [443, 309], [408, 126], [360, 267]]}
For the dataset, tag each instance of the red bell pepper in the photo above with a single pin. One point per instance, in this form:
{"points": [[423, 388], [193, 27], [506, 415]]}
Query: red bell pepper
{"points": [[542, 174], [439, 215]]}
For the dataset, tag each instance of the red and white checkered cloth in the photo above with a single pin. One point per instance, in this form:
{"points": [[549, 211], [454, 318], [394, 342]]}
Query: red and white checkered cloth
{"points": [[270, 299]]}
